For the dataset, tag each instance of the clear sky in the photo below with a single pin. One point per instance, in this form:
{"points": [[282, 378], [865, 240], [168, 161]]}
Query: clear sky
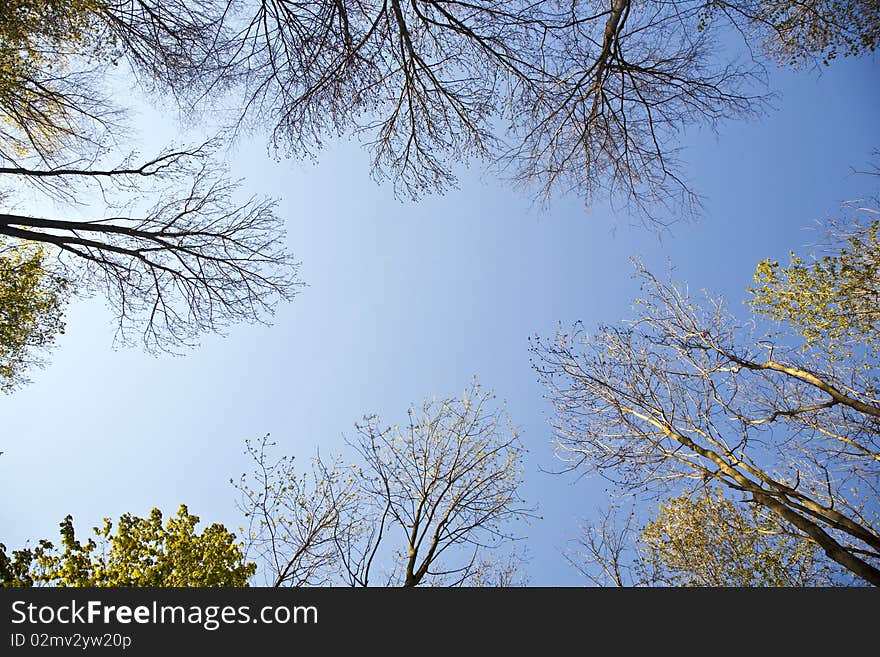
{"points": [[407, 300]]}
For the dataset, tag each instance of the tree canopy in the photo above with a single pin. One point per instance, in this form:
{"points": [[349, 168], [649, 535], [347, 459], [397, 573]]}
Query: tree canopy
{"points": [[706, 540], [141, 552], [700, 539], [833, 301], [574, 97], [578, 97], [585, 98], [31, 309]]}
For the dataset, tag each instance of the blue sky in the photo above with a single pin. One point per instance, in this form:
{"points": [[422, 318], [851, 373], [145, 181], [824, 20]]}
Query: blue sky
{"points": [[407, 300]]}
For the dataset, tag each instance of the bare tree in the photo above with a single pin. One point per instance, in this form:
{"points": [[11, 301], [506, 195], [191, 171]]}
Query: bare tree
{"points": [[617, 85], [604, 550], [196, 261], [574, 96], [169, 244], [678, 398], [294, 520], [170, 45], [422, 507], [581, 97]]}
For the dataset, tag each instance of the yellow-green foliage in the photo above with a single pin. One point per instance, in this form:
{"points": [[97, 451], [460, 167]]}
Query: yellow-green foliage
{"points": [[709, 541], [142, 552], [37, 40], [834, 301], [23, 22], [31, 309], [826, 28], [33, 33]]}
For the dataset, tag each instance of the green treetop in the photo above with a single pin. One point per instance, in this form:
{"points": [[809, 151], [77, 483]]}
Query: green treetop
{"points": [[31, 309], [833, 301], [707, 540], [142, 552]]}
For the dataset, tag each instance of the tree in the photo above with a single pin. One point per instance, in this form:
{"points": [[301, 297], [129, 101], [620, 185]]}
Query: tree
{"points": [[142, 552], [31, 308], [708, 541], [678, 397], [569, 96], [432, 497], [834, 301], [196, 261], [702, 539], [798, 31], [192, 258], [42, 104], [293, 519], [581, 97], [55, 56]]}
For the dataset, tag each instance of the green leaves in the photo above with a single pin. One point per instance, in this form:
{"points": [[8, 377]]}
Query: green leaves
{"points": [[707, 540], [32, 303], [833, 301], [142, 552], [38, 39], [806, 29]]}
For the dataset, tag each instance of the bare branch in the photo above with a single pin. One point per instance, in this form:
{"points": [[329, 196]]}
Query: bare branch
{"points": [[425, 504], [197, 261]]}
